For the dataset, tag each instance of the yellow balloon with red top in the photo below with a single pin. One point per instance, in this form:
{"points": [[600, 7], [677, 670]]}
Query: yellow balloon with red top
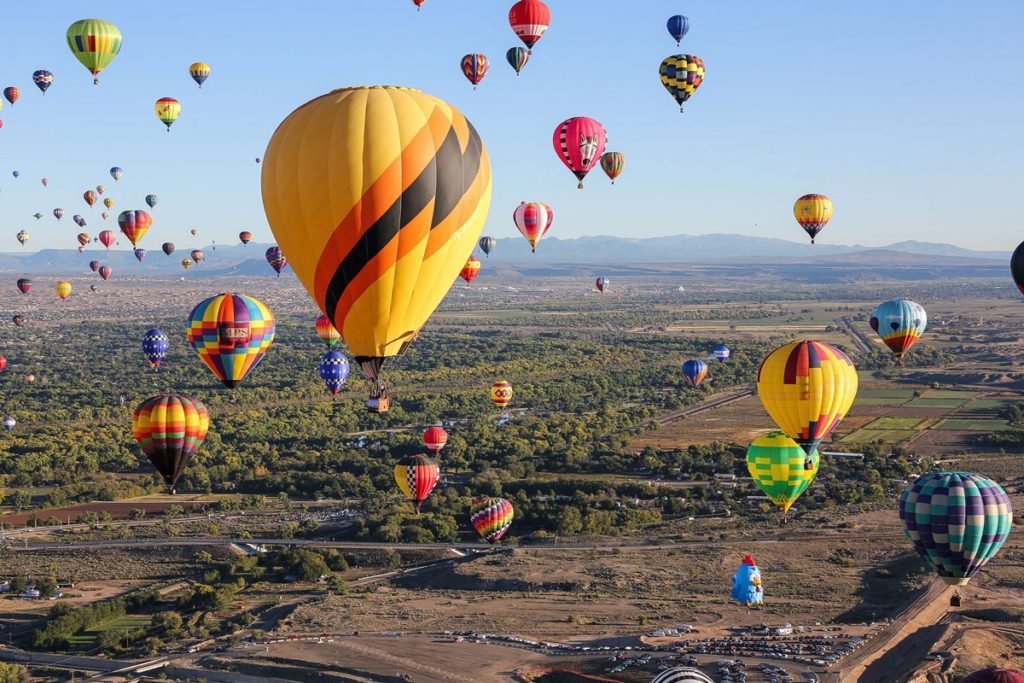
{"points": [[378, 196]]}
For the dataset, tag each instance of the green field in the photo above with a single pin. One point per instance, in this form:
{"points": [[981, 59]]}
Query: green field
{"points": [[950, 393], [889, 436], [902, 423], [937, 402], [987, 404], [125, 623]]}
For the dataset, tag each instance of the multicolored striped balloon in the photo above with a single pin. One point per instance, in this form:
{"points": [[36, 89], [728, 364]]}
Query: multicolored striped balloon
{"points": [[681, 75], [24, 285], [957, 522], [12, 93], [807, 387], [533, 220], [231, 332], [517, 57], [94, 43], [134, 224], [334, 371], [416, 476], [612, 163], [900, 323], [170, 429], [491, 517], [780, 468], [695, 371], [43, 79], [245, 237], [155, 345], [325, 330]]}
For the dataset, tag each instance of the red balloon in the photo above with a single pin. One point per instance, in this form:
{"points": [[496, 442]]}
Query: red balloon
{"points": [[107, 237], [435, 438], [105, 272], [94, 265], [3, 363], [529, 19], [579, 142]]}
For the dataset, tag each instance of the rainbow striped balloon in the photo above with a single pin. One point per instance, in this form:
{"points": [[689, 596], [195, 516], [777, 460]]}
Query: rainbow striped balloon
{"points": [[491, 517], [231, 332], [416, 475], [170, 430]]}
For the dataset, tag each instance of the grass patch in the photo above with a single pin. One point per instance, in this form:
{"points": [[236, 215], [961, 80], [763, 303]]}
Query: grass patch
{"points": [[936, 403], [125, 623], [890, 436], [894, 423], [878, 401], [969, 425], [988, 404], [950, 393]]}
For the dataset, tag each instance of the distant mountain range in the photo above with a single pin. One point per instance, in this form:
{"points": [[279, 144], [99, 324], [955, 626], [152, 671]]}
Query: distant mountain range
{"points": [[514, 251]]}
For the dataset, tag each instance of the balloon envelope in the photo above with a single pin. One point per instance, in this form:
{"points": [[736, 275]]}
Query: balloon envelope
{"points": [[491, 517], [416, 476], [899, 323], [781, 468], [695, 371], [155, 345], [435, 438], [170, 430], [94, 43], [334, 370], [813, 212], [231, 332], [579, 142]]}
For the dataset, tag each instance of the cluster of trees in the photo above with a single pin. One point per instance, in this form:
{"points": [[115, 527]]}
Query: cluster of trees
{"points": [[65, 621]]}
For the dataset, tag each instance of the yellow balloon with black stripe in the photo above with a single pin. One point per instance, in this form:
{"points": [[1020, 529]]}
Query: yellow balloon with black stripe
{"points": [[377, 196]]}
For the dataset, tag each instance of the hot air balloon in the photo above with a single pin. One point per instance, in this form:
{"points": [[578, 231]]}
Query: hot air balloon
{"points": [[186, 263], [682, 674], [416, 476], [813, 212], [167, 247], [533, 220], [612, 164], [11, 93], [3, 363], [900, 323], [199, 71], [94, 43], [470, 270], [957, 521], [9, 423], [325, 330], [257, 160], [105, 272], [695, 371], [434, 438], [197, 255], [58, 213], [678, 26], [491, 517], [231, 332], [94, 265], [475, 67], [93, 288], [334, 371], [1017, 267], [43, 80], [22, 237], [501, 393], [151, 200], [721, 353], [45, 182], [63, 289], [24, 285], [746, 583], [18, 320], [79, 221], [134, 224], [601, 283], [30, 378], [994, 675], [155, 345], [517, 58], [529, 19], [487, 245], [140, 254], [194, 232], [781, 468], [681, 75], [16, 174], [167, 110], [120, 401], [90, 197], [83, 239], [276, 259], [100, 189], [108, 202], [807, 387], [107, 238], [377, 274], [245, 237], [170, 429], [579, 142], [418, 3], [37, 215]]}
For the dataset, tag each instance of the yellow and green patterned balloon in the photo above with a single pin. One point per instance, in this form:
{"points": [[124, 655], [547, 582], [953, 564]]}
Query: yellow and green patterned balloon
{"points": [[94, 43], [781, 468]]}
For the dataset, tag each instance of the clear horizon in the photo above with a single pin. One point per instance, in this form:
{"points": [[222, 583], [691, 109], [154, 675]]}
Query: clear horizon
{"points": [[847, 101]]}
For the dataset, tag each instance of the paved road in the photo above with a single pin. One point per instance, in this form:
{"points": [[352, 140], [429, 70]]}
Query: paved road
{"points": [[715, 401]]}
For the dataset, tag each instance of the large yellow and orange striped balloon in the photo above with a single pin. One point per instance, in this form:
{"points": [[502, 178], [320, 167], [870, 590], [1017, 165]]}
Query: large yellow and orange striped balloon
{"points": [[807, 387], [377, 196]]}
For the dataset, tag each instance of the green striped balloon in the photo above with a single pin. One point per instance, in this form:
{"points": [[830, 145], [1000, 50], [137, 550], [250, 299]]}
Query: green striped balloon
{"points": [[94, 43], [957, 521], [781, 468]]}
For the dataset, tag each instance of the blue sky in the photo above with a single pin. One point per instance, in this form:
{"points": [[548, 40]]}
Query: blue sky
{"points": [[907, 114]]}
